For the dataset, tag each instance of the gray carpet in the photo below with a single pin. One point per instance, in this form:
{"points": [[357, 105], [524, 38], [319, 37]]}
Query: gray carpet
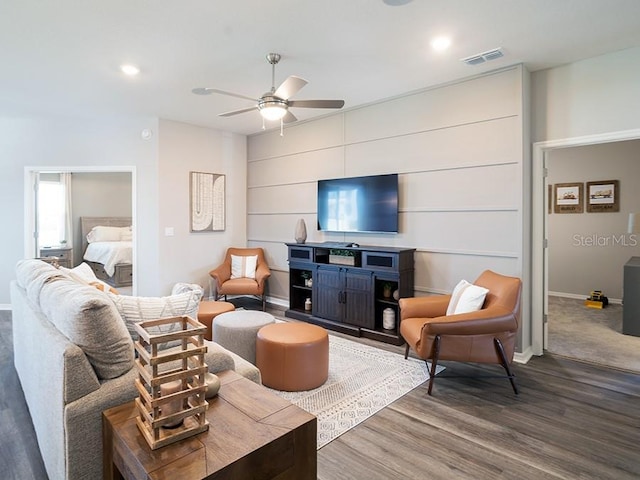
{"points": [[591, 335]]}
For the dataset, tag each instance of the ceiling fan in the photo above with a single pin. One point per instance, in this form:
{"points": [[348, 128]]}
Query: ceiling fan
{"points": [[274, 105]]}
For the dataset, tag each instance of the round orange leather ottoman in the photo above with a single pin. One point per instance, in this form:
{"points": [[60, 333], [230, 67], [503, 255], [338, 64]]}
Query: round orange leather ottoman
{"points": [[208, 310], [293, 356]]}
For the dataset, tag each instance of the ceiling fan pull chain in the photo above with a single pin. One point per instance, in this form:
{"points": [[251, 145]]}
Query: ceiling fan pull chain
{"points": [[263, 127], [281, 127]]}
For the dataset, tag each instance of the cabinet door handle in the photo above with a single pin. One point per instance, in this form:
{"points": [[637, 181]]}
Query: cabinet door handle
{"points": [[344, 297]]}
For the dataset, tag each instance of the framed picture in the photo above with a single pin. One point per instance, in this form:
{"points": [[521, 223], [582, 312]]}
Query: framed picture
{"points": [[568, 198], [207, 202], [603, 196]]}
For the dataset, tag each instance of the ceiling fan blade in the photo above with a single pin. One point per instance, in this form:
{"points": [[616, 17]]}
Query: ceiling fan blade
{"points": [[316, 103], [290, 87], [236, 112], [289, 117], [209, 91]]}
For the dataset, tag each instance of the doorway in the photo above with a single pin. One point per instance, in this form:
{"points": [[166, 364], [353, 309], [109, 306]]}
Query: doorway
{"points": [[99, 191], [540, 203]]}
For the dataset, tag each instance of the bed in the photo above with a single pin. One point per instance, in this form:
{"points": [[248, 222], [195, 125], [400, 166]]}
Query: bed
{"points": [[111, 261]]}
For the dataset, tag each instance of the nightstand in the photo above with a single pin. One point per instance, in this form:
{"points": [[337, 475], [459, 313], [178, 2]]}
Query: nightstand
{"points": [[63, 254]]}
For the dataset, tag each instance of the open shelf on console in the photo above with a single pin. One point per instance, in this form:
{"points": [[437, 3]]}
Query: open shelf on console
{"points": [[351, 298]]}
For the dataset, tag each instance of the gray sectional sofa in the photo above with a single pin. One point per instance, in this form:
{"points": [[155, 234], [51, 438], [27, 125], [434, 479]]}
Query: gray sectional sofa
{"points": [[74, 357]]}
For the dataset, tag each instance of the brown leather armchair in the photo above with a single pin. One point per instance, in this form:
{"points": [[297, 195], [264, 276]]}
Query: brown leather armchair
{"points": [[484, 336], [225, 285]]}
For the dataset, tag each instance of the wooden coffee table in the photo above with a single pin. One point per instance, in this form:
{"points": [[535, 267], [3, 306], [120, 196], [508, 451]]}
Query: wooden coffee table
{"points": [[252, 434]]}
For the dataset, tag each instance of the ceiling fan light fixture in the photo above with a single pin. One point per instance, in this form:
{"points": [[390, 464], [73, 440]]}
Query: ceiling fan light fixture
{"points": [[272, 109]]}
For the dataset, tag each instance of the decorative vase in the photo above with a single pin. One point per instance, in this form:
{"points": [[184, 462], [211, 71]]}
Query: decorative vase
{"points": [[388, 319], [301, 231], [307, 304], [386, 292], [213, 385], [396, 294]]}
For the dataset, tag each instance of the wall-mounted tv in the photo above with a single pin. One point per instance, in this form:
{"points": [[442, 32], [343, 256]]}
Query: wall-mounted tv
{"points": [[359, 204]]}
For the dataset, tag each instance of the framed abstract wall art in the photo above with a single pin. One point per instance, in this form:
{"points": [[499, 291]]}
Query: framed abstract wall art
{"points": [[207, 201]]}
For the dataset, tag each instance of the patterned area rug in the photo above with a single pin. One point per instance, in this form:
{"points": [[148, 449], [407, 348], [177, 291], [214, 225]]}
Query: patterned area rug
{"points": [[362, 381]]}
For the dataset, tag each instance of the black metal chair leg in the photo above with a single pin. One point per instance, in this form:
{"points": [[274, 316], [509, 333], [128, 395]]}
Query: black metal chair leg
{"points": [[406, 352], [434, 362], [505, 364]]}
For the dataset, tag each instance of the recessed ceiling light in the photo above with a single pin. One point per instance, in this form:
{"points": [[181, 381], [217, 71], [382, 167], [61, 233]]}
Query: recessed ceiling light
{"points": [[130, 70], [396, 3], [440, 44]]}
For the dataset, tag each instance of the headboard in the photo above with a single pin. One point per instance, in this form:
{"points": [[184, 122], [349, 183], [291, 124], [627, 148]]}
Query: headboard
{"points": [[87, 223]]}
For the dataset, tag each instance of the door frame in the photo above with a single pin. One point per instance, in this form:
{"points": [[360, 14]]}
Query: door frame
{"points": [[539, 254], [29, 204]]}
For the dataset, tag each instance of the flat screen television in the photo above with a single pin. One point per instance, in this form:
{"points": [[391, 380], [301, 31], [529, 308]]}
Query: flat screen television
{"points": [[359, 204]]}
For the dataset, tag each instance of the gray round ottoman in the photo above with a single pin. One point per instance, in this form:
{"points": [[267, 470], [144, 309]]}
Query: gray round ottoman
{"points": [[237, 331]]}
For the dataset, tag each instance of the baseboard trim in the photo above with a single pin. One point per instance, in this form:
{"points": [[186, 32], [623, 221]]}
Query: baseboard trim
{"points": [[278, 301], [5, 306], [523, 357]]}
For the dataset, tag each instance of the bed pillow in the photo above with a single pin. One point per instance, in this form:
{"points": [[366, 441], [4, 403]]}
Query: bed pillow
{"points": [[466, 297], [243, 266], [102, 233], [126, 235], [139, 309]]}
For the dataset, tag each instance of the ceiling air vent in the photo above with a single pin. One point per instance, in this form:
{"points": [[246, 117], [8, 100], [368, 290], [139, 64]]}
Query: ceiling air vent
{"points": [[483, 57]]}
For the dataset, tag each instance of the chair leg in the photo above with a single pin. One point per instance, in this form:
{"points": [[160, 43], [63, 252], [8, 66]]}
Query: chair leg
{"points": [[406, 352], [434, 362], [505, 364], [264, 303]]}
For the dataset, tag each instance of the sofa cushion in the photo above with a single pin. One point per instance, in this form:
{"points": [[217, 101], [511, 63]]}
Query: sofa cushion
{"points": [[138, 309], [33, 274], [89, 319]]}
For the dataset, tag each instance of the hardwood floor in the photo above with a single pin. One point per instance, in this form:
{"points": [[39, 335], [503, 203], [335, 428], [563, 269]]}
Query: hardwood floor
{"points": [[571, 420]]}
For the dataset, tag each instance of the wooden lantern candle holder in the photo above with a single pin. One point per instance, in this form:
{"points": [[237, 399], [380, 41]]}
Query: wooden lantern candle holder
{"points": [[180, 371]]}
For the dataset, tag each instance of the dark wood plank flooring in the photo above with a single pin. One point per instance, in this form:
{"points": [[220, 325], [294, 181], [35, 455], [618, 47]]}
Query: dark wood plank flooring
{"points": [[571, 420]]}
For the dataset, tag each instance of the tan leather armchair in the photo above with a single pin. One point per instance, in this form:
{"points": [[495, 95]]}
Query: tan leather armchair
{"points": [[484, 336], [225, 285]]}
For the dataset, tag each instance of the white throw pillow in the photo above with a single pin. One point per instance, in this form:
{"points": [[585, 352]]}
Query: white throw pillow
{"points": [[84, 274], [466, 297], [243, 266], [138, 309]]}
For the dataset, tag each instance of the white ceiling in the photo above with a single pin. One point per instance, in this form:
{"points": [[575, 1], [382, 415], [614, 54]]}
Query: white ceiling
{"points": [[62, 57]]}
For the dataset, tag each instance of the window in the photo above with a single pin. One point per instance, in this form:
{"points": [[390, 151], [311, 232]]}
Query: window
{"points": [[52, 211]]}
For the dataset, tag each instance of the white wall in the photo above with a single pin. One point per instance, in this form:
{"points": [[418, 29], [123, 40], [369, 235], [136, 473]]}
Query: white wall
{"points": [[596, 95], [183, 148], [459, 150], [577, 264], [76, 142], [162, 164]]}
